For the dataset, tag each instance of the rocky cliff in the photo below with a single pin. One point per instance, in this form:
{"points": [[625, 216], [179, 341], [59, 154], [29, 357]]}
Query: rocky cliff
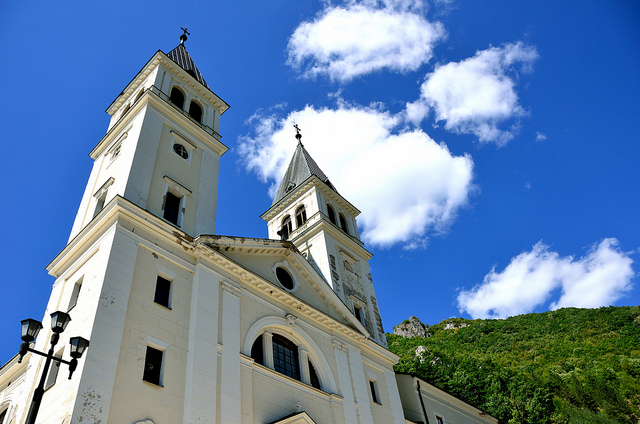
{"points": [[411, 327]]}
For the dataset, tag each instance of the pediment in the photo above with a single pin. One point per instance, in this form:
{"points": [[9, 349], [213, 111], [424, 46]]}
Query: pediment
{"points": [[296, 418], [262, 257]]}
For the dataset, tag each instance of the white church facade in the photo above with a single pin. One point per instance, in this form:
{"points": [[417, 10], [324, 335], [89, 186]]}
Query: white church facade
{"points": [[187, 326]]}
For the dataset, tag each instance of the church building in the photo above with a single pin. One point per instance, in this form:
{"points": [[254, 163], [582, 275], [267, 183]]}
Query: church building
{"points": [[186, 326]]}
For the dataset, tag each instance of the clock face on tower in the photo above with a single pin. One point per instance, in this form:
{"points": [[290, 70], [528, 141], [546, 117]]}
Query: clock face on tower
{"points": [[181, 151]]}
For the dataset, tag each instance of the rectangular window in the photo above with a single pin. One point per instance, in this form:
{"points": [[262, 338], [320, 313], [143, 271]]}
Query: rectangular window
{"points": [[357, 311], [74, 295], [163, 291], [2, 415], [153, 366], [171, 207], [53, 371], [439, 419], [374, 392], [101, 196], [100, 203]]}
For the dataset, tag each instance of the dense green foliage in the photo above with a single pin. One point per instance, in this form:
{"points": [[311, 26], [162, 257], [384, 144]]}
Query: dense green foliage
{"points": [[566, 366]]}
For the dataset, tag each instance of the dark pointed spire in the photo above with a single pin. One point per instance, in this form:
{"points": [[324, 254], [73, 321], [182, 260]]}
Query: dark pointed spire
{"points": [[301, 167], [181, 56]]}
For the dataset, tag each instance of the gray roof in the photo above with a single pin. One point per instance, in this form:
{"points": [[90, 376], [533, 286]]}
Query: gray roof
{"points": [[181, 56], [301, 167]]}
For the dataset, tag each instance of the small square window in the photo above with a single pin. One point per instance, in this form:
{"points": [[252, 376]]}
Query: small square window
{"points": [[74, 295], [163, 292], [374, 392], [153, 366]]}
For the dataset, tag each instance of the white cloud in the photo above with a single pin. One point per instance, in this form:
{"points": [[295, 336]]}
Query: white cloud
{"points": [[540, 136], [478, 94], [531, 279], [405, 184], [360, 38]]}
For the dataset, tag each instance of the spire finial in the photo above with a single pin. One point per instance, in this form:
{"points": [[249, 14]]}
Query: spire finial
{"points": [[298, 135], [183, 37]]}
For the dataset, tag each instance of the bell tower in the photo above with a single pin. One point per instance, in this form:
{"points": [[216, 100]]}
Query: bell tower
{"points": [[162, 147], [126, 274], [308, 211]]}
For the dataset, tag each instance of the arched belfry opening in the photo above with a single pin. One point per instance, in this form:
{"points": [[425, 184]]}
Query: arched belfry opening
{"points": [[195, 111], [177, 97]]}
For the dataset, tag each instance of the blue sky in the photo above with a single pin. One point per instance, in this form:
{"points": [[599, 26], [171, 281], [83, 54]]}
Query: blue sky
{"points": [[492, 147]]}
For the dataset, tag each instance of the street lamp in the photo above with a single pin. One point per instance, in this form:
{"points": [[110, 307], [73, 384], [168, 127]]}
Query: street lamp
{"points": [[30, 330]]}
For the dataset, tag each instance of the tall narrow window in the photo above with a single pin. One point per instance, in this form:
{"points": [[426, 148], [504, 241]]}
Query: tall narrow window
{"points": [[439, 419], [3, 414], [53, 371], [343, 224], [286, 229], [171, 207], [176, 97], [195, 111], [153, 366], [374, 392], [100, 202], [313, 377], [163, 291], [332, 214], [357, 311], [74, 295], [257, 351], [285, 357], [301, 216], [101, 194]]}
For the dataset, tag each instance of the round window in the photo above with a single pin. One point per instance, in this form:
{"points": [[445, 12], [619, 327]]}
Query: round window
{"points": [[284, 278], [181, 151]]}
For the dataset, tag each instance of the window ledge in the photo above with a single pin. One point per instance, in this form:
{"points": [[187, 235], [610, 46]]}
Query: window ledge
{"points": [[153, 384], [264, 370]]}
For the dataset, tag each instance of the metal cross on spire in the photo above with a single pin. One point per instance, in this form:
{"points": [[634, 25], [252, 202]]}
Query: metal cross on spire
{"points": [[183, 37], [298, 135]]}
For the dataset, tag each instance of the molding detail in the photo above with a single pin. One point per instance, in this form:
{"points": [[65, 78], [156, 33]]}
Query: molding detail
{"points": [[231, 288], [291, 319], [296, 334], [339, 345]]}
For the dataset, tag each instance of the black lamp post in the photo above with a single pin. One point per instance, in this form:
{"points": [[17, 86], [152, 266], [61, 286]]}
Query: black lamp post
{"points": [[30, 330]]}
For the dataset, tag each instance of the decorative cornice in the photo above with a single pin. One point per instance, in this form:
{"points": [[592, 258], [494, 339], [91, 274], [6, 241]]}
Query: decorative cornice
{"points": [[323, 224], [112, 211], [194, 84], [161, 58], [293, 196], [154, 98]]}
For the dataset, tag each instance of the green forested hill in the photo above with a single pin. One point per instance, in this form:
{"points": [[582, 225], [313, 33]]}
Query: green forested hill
{"points": [[566, 366]]}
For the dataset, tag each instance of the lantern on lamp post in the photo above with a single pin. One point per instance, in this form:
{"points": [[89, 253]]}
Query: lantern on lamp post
{"points": [[30, 330]]}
